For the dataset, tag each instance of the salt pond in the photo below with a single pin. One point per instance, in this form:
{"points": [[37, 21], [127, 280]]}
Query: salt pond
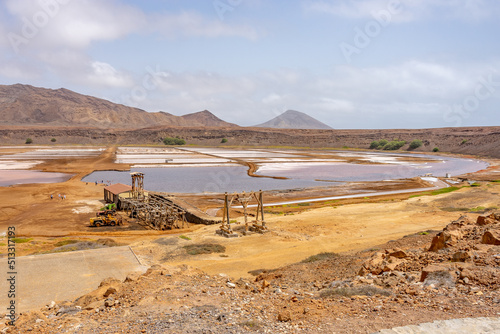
{"points": [[13, 167], [11, 177], [301, 175]]}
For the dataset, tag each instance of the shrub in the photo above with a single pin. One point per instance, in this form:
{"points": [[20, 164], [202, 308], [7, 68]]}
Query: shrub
{"points": [[223, 141], [65, 242], [463, 141], [29, 140], [319, 257], [394, 145], [382, 143], [374, 145], [415, 144], [204, 249], [435, 149], [21, 240], [53, 140], [174, 141]]}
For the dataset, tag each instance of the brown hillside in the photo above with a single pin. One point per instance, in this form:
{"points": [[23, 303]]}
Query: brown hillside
{"points": [[32, 106]]}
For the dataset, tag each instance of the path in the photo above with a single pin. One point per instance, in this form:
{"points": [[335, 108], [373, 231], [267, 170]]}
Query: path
{"points": [[438, 184], [44, 278]]}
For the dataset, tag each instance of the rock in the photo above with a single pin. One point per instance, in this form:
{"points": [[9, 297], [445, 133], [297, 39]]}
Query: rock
{"points": [[109, 291], [109, 302], [132, 277], [461, 256], [397, 253], [484, 220], [445, 239], [438, 276], [434, 268], [391, 264], [284, 316], [490, 238], [155, 269], [265, 284], [52, 304], [231, 285], [68, 310], [110, 281]]}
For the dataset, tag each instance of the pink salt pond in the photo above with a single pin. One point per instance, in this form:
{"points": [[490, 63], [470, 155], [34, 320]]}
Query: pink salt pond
{"points": [[12, 177]]}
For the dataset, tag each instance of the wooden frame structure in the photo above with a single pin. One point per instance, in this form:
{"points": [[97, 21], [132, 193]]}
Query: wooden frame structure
{"points": [[258, 225], [155, 212], [137, 185]]}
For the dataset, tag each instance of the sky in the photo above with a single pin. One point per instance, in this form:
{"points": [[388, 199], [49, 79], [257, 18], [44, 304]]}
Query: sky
{"points": [[366, 64]]}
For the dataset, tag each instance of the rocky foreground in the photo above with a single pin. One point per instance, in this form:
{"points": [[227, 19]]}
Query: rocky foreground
{"points": [[420, 278]]}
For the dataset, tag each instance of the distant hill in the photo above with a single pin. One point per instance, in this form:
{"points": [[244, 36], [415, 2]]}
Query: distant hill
{"points": [[33, 106], [292, 119], [206, 118]]}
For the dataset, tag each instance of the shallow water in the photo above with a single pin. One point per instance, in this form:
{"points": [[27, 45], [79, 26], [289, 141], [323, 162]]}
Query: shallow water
{"points": [[302, 175], [200, 180], [11, 177]]}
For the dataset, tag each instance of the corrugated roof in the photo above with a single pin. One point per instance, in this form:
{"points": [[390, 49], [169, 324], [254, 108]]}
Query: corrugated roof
{"points": [[118, 188]]}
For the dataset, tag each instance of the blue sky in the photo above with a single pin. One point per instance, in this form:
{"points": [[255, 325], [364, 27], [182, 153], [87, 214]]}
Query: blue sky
{"points": [[351, 64]]}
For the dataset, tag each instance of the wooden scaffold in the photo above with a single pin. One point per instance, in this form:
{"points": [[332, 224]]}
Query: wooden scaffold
{"points": [[258, 225], [154, 211]]}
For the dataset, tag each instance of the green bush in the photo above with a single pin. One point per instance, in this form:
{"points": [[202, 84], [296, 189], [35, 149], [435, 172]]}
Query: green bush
{"points": [[29, 141], [374, 145], [223, 141], [435, 149], [53, 140], [382, 143], [415, 144], [394, 145], [174, 141], [21, 240]]}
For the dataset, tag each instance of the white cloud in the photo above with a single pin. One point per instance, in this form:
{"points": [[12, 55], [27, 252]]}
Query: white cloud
{"points": [[103, 74], [404, 94], [408, 10], [193, 24]]}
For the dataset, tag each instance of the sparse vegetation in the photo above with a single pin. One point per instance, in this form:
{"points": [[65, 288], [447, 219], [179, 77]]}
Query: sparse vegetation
{"points": [[53, 140], [204, 249], [394, 145], [223, 141], [21, 240], [319, 257], [423, 233], [437, 192], [65, 242], [29, 141], [184, 237], [415, 144], [464, 141], [435, 149], [174, 141], [365, 290], [383, 144]]}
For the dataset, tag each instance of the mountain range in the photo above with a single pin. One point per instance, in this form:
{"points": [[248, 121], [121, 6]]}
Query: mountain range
{"points": [[25, 105]]}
